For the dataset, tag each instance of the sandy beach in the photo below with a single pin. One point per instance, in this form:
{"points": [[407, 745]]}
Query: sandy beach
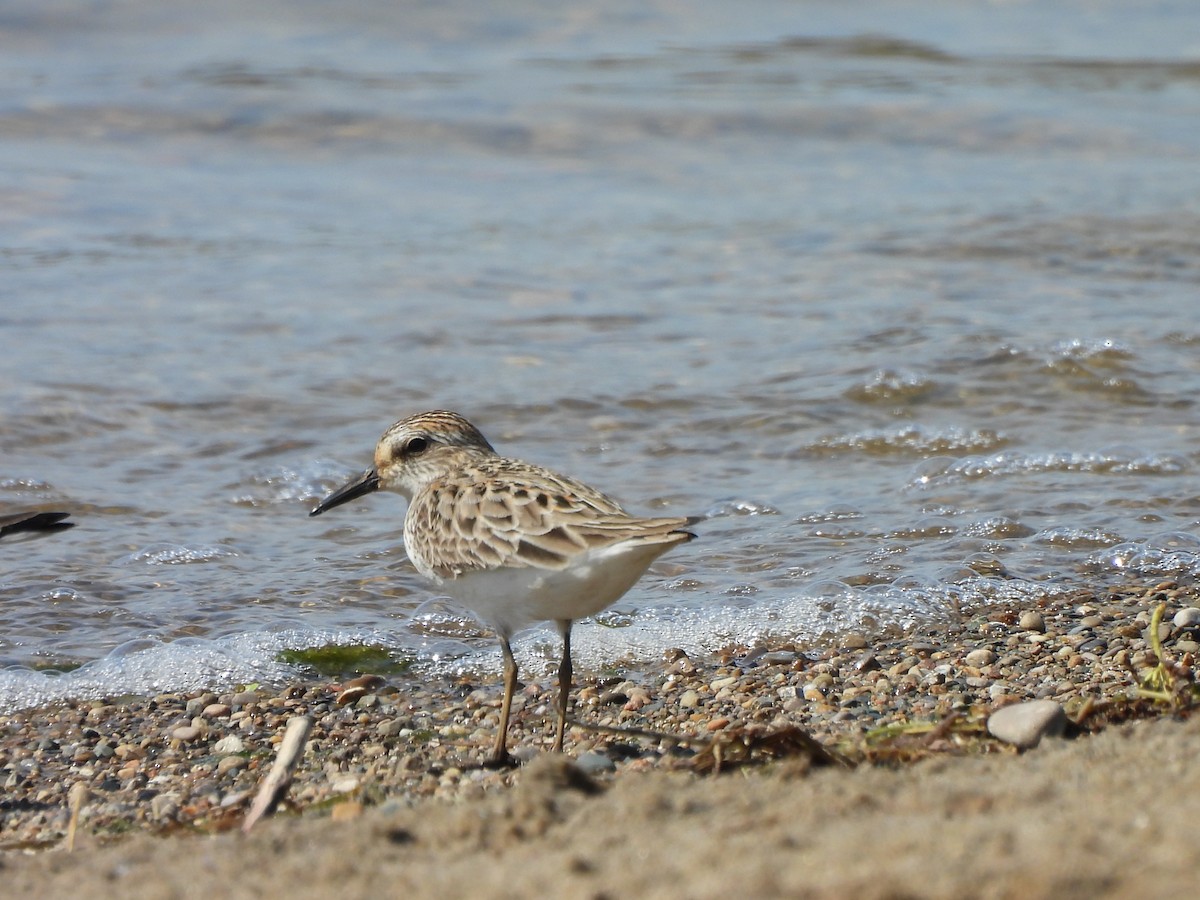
{"points": [[386, 800]]}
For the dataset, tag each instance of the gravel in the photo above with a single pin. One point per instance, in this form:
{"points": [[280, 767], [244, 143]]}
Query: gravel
{"points": [[193, 760]]}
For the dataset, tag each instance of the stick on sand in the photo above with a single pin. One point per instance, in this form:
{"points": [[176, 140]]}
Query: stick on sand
{"points": [[275, 785]]}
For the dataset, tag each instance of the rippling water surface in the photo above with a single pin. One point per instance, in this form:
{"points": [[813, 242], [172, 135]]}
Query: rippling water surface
{"points": [[903, 299]]}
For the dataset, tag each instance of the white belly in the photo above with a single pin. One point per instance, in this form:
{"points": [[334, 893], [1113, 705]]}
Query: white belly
{"points": [[510, 598]]}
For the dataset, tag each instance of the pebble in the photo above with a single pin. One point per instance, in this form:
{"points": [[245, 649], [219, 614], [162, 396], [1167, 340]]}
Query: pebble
{"points": [[813, 692], [593, 763], [779, 657], [1188, 617], [389, 728], [980, 657], [1032, 620], [230, 764], [1025, 724], [351, 695], [867, 662], [231, 743], [164, 806]]}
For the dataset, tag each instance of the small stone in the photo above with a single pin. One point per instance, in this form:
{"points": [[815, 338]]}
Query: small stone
{"points": [[231, 743], [1031, 620], [128, 770], [234, 798], [689, 700], [185, 733], [351, 695], [854, 641], [1187, 618], [778, 658], [1025, 724], [1164, 631], [593, 763], [164, 806], [345, 785], [370, 682], [215, 710], [230, 764], [389, 728], [613, 697], [983, 656], [868, 662]]}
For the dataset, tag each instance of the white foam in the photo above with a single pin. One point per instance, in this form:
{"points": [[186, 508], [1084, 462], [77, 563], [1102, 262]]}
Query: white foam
{"points": [[164, 554], [286, 484], [1170, 554], [443, 640], [818, 613], [912, 438], [146, 666], [1113, 460]]}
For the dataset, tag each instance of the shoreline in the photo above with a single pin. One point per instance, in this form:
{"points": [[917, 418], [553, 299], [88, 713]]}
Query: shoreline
{"points": [[403, 753]]}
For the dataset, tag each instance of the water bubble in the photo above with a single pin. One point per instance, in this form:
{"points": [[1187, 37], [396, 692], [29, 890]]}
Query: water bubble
{"points": [[929, 470], [1174, 540], [740, 507], [175, 554]]}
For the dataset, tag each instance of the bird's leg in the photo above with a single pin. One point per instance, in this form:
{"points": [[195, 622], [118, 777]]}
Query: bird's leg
{"points": [[500, 755], [564, 683]]}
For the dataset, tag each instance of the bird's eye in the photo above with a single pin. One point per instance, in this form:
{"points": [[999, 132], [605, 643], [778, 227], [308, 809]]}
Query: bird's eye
{"points": [[416, 445]]}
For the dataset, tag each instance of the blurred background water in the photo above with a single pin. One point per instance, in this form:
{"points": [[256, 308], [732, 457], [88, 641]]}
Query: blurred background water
{"points": [[901, 296]]}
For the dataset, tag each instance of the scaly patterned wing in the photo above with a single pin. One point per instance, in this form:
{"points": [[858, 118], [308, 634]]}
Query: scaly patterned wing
{"points": [[505, 513]]}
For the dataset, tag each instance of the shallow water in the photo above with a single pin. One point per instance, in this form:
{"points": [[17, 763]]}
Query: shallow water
{"points": [[902, 298]]}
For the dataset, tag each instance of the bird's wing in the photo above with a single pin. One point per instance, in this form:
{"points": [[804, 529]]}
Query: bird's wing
{"points": [[35, 521], [523, 517]]}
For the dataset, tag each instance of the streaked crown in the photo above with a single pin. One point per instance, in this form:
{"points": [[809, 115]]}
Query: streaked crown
{"points": [[421, 448]]}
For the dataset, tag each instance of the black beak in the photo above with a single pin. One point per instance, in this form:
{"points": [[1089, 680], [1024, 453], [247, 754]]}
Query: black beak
{"points": [[365, 483]]}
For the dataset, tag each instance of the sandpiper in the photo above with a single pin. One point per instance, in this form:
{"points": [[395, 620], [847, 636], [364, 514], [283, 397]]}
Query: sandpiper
{"points": [[513, 542]]}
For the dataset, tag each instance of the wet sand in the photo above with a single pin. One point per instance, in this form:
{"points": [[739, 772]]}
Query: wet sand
{"points": [[386, 803]]}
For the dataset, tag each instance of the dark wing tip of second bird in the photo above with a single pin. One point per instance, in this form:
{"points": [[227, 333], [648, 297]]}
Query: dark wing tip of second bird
{"points": [[43, 522]]}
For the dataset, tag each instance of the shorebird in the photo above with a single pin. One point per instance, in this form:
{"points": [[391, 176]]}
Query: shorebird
{"points": [[513, 542], [37, 522]]}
